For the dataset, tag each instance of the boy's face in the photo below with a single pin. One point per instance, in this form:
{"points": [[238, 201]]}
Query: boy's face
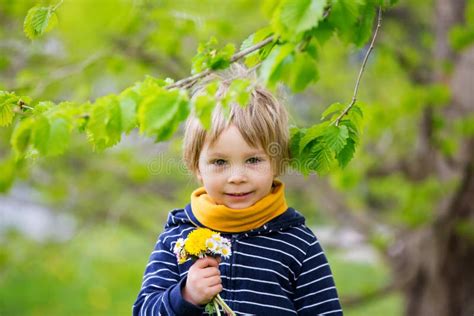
{"points": [[234, 173]]}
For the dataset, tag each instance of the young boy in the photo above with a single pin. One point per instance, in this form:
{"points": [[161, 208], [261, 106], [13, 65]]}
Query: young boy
{"points": [[277, 265]]}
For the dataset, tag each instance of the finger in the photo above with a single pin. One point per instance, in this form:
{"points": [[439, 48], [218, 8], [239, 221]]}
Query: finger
{"points": [[210, 272], [206, 262], [216, 289], [213, 281]]}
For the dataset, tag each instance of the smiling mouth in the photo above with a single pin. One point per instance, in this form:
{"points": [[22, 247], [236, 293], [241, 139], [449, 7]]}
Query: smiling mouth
{"points": [[238, 194]]}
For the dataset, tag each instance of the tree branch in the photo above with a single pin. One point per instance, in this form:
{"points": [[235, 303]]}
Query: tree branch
{"points": [[186, 81], [361, 71]]}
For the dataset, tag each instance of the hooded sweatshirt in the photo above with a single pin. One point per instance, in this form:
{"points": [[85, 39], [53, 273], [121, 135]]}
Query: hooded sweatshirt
{"points": [[276, 269]]}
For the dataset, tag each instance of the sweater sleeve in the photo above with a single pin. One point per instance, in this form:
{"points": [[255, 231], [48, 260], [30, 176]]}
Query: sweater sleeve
{"points": [[161, 287], [315, 292]]}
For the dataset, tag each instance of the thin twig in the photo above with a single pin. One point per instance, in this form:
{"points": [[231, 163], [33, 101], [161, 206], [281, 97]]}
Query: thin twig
{"points": [[361, 71], [58, 5], [184, 82]]}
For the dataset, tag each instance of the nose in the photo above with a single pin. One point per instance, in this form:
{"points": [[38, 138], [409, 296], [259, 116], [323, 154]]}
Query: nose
{"points": [[237, 175]]}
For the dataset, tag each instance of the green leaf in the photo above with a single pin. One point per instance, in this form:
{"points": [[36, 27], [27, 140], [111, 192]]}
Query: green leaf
{"points": [[321, 157], [295, 139], [333, 108], [104, 126], [210, 57], [312, 134], [21, 136], [272, 67], [203, 107], [255, 38], [355, 115], [363, 26], [128, 101], [51, 135], [8, 101], [39, 20], [161, 113], [239, 91], [336, 137], [346, 153], [343, 17], [300, 15], [303, 72], [8, 167]]}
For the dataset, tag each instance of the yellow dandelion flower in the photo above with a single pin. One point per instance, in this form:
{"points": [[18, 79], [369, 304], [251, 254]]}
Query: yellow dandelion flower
{"points": [[196, 241]]}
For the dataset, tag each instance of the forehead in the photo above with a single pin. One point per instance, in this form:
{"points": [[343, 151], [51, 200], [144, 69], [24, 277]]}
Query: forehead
{"points": [[230, 142]]}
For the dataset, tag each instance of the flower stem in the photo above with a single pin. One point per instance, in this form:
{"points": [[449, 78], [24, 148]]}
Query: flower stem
{"points": [[224, 305], [216, 306]]}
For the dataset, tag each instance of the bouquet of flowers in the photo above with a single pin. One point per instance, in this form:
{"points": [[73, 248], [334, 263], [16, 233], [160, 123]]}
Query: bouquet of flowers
{"points": [[200, 243]]}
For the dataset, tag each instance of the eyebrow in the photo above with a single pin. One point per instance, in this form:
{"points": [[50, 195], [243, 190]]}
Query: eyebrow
{"points": [[251, 153]]}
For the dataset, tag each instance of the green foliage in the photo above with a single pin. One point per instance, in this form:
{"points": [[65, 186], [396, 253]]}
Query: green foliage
{"points": [[203, 104], [461, 36], [8, 167], [352, 20], [320, 146], [210, 57], [238, 92], [7, 102], [104, 125], [257, 56], [39, 20], [161, 113], [294, 17]]}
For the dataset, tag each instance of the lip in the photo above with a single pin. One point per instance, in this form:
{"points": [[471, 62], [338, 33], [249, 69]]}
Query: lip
{"points": [[238, 197]]}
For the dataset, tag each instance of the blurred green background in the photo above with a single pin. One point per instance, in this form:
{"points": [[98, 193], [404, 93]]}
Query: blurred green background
{"points": [[76, 230]]}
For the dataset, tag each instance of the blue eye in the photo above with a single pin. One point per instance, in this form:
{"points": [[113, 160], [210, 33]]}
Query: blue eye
{"points": [[219, 162], [254, 160]]}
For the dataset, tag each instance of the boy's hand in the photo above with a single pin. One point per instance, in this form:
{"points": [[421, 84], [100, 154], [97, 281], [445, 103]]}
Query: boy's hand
{"points": [[203, 282]]}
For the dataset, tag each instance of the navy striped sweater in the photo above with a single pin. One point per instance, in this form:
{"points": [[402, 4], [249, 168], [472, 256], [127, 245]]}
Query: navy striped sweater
{"points": [[277, 269]]}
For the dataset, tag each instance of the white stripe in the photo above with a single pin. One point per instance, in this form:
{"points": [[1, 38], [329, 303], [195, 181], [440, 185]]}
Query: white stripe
{"points": [[159, 261], [283, 242], [263, 258], [163, 251], [258, 281], [154, 286], [265, 305], [180, 234], [303, 285], [183, 274], [314, 256], [323, 265], [326, 289], [255, 268], [330, 312], [305, 232], [245, 314], [257, 292], [268, 248], [157, 271], [154, 305], [297, 237], [162, 278], [167, 232], [305, 307]]}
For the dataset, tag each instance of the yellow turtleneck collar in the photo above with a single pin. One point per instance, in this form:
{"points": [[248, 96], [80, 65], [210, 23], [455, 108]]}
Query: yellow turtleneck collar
{"points": [[224, 219]]}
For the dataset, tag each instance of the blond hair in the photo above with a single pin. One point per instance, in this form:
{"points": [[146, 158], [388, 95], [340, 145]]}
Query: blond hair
{"points": [[262, 122]]}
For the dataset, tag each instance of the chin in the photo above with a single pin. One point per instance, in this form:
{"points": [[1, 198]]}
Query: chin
{"points": [[239, 205]]}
